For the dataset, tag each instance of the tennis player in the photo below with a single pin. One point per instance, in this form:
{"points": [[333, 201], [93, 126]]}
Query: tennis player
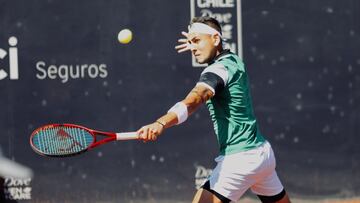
{"points": [[246, 159]]}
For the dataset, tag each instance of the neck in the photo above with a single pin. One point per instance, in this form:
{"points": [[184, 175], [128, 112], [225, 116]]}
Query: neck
{"points": [[219, 50], [219, 54]]}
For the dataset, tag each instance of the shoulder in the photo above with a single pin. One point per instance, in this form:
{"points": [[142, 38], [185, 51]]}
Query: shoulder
{"points": [[232, 61], [218, 69], [234, 66]]}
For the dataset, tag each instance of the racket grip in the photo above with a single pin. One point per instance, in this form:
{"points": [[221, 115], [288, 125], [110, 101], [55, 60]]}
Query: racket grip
{"points": [[127, 136]]}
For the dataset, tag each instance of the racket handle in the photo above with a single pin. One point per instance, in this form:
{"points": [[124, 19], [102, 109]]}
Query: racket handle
{"points": [[127, 136]]}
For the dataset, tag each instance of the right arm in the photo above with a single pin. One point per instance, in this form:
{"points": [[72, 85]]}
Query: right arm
{"points": [[178, 113]]}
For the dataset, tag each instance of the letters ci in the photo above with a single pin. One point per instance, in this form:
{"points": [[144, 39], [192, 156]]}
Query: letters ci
{"points": [[13, 60]]}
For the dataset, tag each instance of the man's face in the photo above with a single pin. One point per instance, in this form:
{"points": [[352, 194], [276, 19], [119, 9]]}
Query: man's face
{"points": [[202, 47]]}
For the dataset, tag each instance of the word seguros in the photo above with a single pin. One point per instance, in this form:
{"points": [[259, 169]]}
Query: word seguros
{"points": [[66, 72], [62, 72]]}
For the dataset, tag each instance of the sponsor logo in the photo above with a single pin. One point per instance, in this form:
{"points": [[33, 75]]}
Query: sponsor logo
{"points": [[12, 54], [65, 72], [17, 189], [201, 175], [61, 72], [228, 13], [215, 3]]}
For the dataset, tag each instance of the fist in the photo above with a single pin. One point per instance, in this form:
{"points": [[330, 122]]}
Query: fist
{"points": [[150, 132]]}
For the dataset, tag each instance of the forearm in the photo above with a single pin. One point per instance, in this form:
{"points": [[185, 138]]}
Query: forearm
{"points": [[196, 98], [193, 100], [168, 120]]}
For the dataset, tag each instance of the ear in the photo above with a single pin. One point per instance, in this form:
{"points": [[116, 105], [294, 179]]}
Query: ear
{"points": [[217, 40]]}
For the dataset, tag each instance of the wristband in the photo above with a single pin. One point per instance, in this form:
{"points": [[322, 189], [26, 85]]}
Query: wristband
{"points": [[180, 109]]}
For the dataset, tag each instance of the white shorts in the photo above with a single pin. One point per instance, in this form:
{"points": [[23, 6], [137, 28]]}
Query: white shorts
{"points": [[255, 169]]}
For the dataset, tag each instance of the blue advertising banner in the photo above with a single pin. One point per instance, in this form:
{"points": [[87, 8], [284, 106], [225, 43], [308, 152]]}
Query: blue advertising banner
{"points": [[61, 62]]}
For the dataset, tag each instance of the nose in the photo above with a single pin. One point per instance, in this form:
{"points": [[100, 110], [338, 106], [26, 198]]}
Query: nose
{"points": [[192, 47]]}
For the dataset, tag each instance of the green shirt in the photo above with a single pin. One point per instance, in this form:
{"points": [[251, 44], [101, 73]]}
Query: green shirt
{"points": [[231, 110]]}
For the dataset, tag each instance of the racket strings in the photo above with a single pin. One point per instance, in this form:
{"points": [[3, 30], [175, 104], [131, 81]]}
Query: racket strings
{"points": [[62, 140]]}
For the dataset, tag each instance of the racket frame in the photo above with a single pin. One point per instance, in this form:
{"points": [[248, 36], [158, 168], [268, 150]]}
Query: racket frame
{"points": [[110, 136]]}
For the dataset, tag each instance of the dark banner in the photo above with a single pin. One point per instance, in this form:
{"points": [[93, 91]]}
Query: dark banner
{"points": [[228, 14], [61, 62]]}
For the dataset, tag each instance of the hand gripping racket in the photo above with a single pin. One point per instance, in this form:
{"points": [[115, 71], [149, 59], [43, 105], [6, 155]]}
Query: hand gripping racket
{"points": [[61, 140]]}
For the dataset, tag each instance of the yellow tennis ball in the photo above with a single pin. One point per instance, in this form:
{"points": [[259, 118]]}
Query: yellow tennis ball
{"points": [[125, 36]]}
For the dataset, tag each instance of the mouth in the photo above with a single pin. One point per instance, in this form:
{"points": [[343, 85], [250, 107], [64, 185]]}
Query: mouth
{"points": [[198, 58]]}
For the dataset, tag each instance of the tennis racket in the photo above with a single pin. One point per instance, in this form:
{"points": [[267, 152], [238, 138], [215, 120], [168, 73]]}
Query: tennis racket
{"points": [[61, 140]]}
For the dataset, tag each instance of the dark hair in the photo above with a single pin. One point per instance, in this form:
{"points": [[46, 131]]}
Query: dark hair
{"points": [[212, 22]]}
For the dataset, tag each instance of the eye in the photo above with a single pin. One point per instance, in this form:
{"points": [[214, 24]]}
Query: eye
{"points": [[195, 41]]}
